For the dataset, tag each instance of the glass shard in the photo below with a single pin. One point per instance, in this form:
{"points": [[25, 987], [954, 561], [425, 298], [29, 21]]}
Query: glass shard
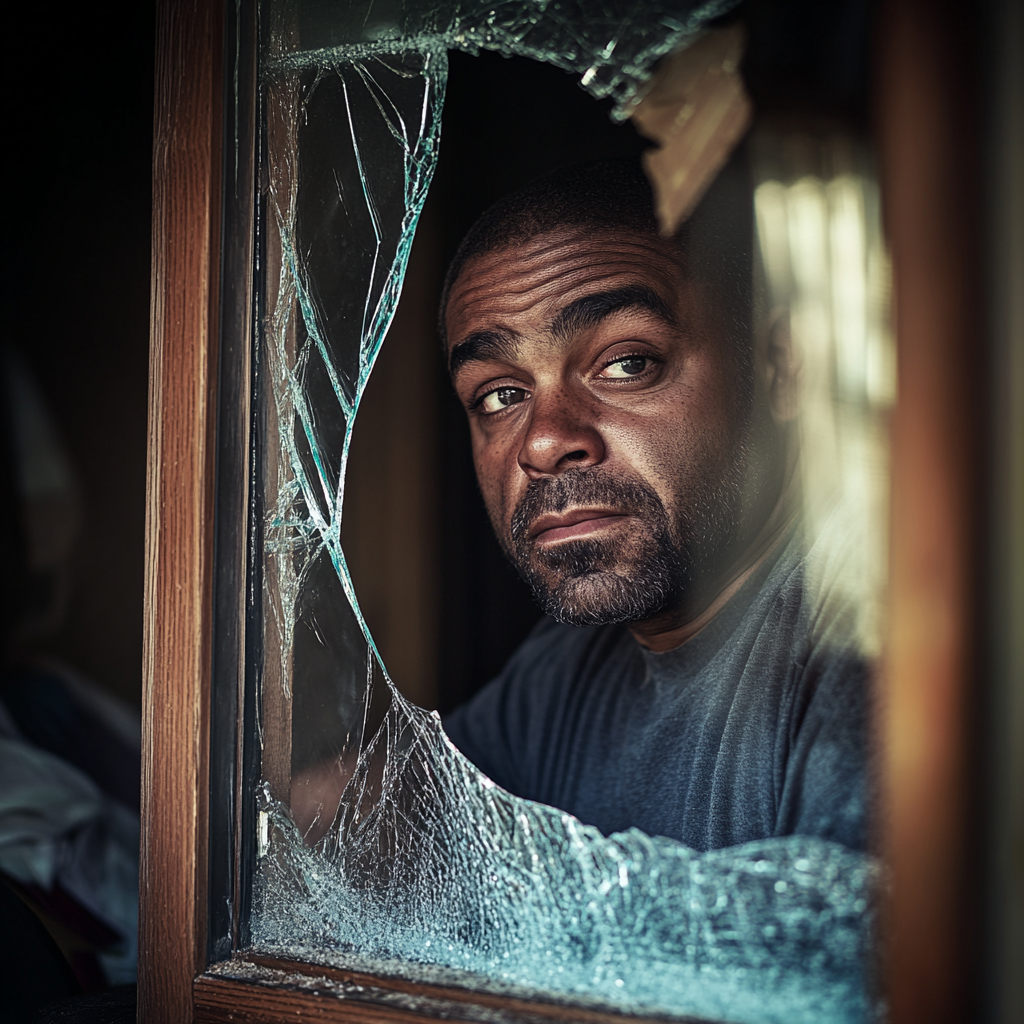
{"points": [[446, 877], [611, 45]]}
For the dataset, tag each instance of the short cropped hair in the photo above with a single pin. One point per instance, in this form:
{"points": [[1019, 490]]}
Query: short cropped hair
{"points": [[713, 246]]}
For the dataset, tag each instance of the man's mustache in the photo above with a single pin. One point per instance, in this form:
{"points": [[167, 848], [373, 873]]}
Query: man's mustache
{"points": [[581, 488]]}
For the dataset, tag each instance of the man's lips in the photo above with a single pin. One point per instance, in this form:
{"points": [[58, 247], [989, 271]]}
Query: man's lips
{"points": [[548, 529]]}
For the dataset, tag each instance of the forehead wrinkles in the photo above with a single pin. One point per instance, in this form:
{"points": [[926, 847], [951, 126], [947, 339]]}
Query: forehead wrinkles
{"points": [[516, 279]]}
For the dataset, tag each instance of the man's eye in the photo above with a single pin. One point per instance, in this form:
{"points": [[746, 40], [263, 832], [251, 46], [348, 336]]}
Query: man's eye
{"points": [[500, 398], [629, 366]]}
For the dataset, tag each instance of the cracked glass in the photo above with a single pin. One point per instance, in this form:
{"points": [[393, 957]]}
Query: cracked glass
{"points": [[378, 845]]}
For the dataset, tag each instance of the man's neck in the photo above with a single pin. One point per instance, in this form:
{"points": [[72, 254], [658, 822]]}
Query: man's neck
{"points": [[669, 630]]}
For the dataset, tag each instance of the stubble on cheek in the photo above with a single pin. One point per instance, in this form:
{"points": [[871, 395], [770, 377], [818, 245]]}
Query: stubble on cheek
{"points": [[629, 573], [658, 558]]}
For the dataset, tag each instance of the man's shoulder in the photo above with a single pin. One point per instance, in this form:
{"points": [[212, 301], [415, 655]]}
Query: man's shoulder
{"points": [[504, 728], [808, 594], [554, 648], [552, 660]]}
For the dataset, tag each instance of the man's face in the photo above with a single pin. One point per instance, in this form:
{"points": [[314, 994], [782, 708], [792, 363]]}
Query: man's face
{"points": [[607, 420]]}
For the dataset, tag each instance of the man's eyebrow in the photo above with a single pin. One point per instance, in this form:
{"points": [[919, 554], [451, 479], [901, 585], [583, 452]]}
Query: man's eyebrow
{"points": [[592, 309], [481, 346]]}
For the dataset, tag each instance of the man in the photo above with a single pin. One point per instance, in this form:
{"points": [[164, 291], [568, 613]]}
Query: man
{"points": [[636, 453]]}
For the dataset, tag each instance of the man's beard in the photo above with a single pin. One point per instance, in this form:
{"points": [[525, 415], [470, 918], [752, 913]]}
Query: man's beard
{"points": [[633, 574]]}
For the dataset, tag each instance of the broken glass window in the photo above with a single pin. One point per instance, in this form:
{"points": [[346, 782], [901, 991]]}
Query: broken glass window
{"points": [[378, 844]]}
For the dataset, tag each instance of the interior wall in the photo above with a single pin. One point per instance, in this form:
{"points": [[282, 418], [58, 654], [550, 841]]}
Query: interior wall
{"points": [[77, 274], [392, 492]]}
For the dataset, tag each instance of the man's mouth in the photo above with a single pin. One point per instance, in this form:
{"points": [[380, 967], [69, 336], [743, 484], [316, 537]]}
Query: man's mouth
{"points": [[572, 525]]}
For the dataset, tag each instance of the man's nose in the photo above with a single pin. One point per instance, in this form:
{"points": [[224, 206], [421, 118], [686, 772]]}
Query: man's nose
{"points": [[562, 433]]}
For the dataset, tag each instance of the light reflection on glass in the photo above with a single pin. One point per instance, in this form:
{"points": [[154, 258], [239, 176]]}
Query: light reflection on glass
{"points": [[827, 282]]}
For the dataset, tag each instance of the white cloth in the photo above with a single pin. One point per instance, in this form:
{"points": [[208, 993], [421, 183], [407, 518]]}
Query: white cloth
{"points": [[56, 826]]}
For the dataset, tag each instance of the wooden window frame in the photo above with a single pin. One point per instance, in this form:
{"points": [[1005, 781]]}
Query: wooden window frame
{"points": [[929, 177]]}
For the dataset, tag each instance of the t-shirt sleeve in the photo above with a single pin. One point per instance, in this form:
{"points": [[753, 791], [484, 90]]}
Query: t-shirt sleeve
{"points": [[825, 791], [492, 728]]}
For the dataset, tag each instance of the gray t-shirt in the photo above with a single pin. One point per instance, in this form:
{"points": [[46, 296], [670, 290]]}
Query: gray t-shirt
{"points": [[756, 727]]}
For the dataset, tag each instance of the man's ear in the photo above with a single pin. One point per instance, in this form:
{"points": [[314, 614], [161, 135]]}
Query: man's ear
{"points": [[782, 367]]}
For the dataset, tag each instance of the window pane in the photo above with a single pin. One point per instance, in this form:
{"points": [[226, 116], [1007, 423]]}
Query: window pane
{"points": [[758, 498]]}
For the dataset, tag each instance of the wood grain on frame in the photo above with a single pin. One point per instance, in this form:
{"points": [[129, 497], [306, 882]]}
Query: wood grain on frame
{"points": [[283, 102], [178, 617], [272, 990], [928, 116], [221, 1001]]}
